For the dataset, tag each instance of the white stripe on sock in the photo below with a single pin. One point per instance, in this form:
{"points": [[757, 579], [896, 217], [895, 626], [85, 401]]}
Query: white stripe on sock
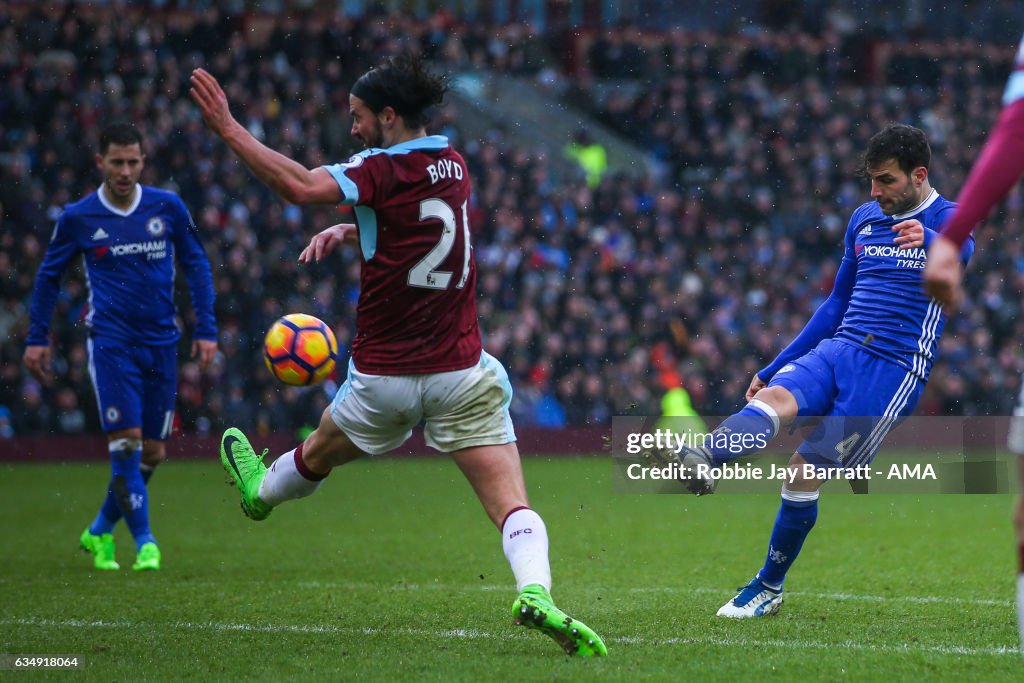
{"points": [[767, 410], [799, 496]]}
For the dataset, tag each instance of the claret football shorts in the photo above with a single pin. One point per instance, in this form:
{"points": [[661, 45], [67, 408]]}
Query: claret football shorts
{"points": [[460, 409]]}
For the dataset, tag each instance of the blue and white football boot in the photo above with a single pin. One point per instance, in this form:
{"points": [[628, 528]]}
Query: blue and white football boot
{"points": [[754, 600]]}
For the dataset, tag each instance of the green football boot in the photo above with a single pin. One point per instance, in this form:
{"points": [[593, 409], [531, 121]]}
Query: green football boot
{"points": [[101, 548], [247, 469], [148, 558], [534, 609]]}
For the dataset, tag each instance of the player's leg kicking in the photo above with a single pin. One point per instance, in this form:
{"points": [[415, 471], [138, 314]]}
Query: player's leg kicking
{"points": [[484, 450], [796, 517], [834, 381], [862, 397]]}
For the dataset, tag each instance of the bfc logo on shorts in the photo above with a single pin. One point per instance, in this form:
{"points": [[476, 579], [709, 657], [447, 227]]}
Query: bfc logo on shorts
{"points": [[518, 532], [113, 414]]}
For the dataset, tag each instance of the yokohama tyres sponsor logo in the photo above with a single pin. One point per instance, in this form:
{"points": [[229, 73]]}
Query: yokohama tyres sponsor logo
{"points": [[139, 247], [889, 251], [914, 259]]}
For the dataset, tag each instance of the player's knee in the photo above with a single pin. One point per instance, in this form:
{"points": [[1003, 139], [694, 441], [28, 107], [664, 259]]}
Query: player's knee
{"points": [[780, 399], [803, 477], [153, 453], [124, 447]]}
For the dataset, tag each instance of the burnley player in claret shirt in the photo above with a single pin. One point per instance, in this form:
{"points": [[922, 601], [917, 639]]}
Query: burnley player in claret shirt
{"points": [[998, 169], [417, 354]]}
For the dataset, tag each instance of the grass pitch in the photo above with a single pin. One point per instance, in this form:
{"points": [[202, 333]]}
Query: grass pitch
{"points": [[392, 572]]}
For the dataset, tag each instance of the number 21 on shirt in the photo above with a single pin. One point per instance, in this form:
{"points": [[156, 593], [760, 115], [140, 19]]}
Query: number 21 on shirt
{"points": [[425, 274]]}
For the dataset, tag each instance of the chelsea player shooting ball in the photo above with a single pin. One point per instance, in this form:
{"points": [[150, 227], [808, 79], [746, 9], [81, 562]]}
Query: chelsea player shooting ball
{"points": [[300, 350]]}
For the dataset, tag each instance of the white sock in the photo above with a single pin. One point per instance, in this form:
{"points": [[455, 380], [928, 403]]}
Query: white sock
{"points": [[1020, 607], [287, 479], [525, 541]]}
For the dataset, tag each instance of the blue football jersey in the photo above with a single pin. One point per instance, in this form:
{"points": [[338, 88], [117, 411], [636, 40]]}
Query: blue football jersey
{"points": [[129, 262], [889, 314]]}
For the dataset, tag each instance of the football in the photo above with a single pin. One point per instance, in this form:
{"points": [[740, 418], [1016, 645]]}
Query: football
{"points": [[300, 350]]}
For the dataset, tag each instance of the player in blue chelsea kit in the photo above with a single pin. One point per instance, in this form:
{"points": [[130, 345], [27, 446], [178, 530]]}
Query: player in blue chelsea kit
{"points": [[861, 362], [128, 236]]}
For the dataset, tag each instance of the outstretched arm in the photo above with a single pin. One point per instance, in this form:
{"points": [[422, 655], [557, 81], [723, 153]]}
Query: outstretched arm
{"points": [[289, 179], [997, 169]]}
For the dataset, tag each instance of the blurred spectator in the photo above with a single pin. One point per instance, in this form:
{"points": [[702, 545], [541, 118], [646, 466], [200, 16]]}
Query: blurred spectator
{"points": [[6, 428], [590, 155]]}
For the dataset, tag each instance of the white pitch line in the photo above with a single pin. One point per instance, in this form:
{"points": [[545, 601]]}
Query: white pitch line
{"points": [[725, 593], [916, 599], [472, 634]]}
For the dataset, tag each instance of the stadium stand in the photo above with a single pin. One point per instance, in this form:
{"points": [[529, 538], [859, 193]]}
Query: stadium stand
{"points": [[712, 257]]}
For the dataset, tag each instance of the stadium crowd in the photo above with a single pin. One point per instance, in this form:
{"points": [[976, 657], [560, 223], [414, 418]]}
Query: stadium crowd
{"points": [[595, 298]]}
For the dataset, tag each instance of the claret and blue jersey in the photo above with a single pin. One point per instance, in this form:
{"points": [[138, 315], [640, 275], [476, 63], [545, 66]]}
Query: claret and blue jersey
{"points": [[417, 302]]}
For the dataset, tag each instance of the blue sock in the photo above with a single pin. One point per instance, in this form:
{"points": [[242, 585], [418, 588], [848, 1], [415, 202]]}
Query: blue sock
{"points": [[110, 513], [797, 514], [743, 433], [129, 488], [105, 518]]}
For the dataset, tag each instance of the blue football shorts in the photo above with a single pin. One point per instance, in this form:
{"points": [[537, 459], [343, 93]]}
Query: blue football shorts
{"points": [[136, 386], [854, 396]]}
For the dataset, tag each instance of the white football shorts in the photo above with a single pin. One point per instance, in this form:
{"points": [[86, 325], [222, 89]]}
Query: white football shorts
{"points": [[460, 409]]}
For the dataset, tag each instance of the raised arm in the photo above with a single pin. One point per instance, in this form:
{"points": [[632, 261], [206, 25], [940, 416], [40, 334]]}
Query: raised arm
{"points": [[291, 180]]}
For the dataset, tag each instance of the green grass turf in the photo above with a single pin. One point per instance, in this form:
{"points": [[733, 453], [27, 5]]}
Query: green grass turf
{"points": [[392, 572]]}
